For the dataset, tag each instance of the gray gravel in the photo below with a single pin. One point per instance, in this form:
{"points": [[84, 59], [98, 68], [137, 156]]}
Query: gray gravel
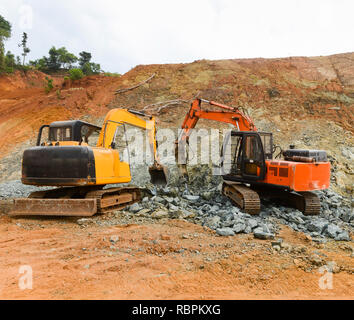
{"points": [[201, 202], [15, 189]]}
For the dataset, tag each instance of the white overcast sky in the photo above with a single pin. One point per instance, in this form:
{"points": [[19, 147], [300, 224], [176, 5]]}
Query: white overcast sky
{"points": [[122, 34]]}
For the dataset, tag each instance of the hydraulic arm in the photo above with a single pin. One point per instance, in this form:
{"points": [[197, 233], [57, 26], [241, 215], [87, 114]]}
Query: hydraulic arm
{"points": [[119, 117], [227, 114]]}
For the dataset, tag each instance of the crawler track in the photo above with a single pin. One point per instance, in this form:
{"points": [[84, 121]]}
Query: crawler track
{"points": [[307, 202], [249, 199], [114, 198], [244, 197], [76, 201]]}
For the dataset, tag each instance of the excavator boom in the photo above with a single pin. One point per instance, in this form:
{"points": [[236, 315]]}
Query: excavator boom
{"points": [[231, 115], [118, 117]]}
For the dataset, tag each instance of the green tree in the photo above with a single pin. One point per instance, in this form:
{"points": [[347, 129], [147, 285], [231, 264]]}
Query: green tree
{"points": [[86, 68], [5, 28], [66, 58], [86, 65], [40, 64], [85, 57], [58, 58], [53, 62], [90, 68], [10, 59], [10, 62], [5, 33], [25, 49], [95, 67], [70, 59]]}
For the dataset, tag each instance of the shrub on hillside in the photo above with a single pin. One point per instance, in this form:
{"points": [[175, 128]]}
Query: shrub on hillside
{"points": [[9, 70], [49, 85], [76, 74]]}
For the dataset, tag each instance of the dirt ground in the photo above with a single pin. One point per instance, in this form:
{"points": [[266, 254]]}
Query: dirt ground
{"points": [[119, 256]]}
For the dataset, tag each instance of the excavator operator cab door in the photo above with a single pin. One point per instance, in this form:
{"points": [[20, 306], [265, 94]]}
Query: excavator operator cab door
{"points": [[243, 157], [253, 161]]}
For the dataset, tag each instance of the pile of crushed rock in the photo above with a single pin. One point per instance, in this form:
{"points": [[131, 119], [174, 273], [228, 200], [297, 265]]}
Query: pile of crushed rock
{"points": [[200, 201]]}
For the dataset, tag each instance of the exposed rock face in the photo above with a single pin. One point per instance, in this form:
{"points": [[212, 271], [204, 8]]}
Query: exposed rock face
{"points": [[303, 101]]}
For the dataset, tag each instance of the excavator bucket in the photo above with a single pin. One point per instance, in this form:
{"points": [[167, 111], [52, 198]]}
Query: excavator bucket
{"points": [[158, 174], [54, 207]]}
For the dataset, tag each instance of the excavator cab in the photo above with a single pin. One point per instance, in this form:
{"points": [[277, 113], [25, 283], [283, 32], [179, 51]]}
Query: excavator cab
{"points": [[244, 154], [67, 133]]}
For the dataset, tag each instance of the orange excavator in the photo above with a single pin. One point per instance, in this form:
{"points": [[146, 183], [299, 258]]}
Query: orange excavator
{"points": [[249, 169]]}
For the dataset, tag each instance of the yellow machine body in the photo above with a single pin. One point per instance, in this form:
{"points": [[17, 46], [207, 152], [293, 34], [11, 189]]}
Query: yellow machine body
{"points": [[81, 171], [73, 162]]}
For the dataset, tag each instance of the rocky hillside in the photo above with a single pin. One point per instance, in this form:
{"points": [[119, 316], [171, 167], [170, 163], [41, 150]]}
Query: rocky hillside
{"points": [[303, 101], [187, 241]]}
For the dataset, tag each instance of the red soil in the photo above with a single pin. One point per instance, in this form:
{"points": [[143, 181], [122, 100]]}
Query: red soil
{"points": [[145, 262]]}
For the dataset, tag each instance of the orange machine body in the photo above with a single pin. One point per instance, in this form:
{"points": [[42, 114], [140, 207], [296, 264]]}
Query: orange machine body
{"points": [[298, 176]]}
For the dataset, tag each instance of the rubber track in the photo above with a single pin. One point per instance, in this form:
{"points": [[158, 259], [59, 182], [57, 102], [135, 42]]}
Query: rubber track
{"points": [[243, 197]]}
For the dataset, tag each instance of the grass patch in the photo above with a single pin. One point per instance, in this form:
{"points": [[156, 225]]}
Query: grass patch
{"points": [[112, 74]]}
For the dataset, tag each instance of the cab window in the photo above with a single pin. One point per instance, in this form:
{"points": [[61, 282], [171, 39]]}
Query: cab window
{"points": [[60, 134]]}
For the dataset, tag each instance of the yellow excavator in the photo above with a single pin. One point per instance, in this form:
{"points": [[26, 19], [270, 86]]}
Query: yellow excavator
{"points": [[81, 172]]}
